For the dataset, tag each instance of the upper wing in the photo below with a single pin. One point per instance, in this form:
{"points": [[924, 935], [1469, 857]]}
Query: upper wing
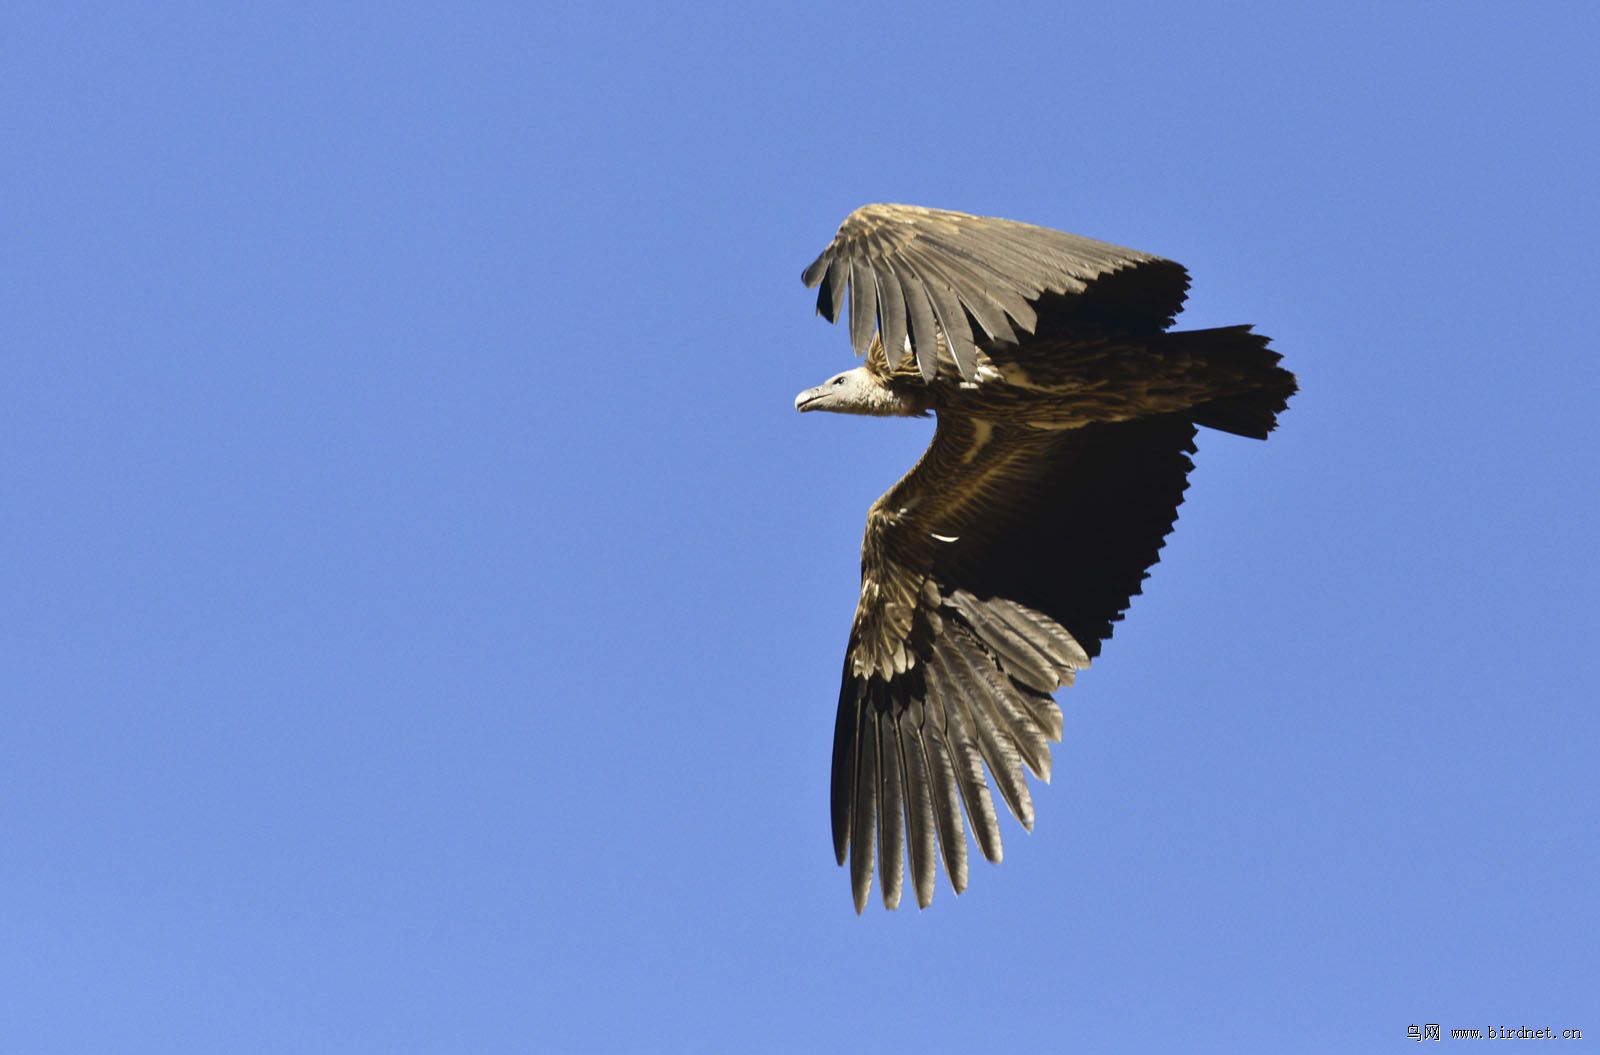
{"points": [[920, 272], [989, 575]]}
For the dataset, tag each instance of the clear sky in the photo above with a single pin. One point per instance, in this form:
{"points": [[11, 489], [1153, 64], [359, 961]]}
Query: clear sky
{"points": [[421, 608]]}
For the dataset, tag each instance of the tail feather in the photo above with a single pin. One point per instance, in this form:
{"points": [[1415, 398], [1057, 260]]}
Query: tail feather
{"points": [[1252, 388]]}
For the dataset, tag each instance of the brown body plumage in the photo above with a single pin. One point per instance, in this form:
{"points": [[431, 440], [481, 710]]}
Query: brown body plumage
{"points": [[994, 569]]}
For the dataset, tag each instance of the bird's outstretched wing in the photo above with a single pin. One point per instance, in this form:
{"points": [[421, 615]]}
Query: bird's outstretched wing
{"points": [[989, 575], [917, 273]]}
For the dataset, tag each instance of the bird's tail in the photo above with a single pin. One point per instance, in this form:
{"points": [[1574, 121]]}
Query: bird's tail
{"points": [[1252, 389]]}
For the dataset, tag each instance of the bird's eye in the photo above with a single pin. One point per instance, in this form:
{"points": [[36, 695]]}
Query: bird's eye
{"points": [[838, 381]]}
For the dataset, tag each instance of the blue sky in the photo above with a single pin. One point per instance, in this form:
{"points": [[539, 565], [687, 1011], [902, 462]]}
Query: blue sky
{"points": [[422, 609]]}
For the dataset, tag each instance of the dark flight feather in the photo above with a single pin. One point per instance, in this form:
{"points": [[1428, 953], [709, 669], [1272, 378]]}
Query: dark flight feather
{"points": [[891, 814], [952, 832], [920, 838], [924, 330], [892, 314], [864, 805], [863, 306]]}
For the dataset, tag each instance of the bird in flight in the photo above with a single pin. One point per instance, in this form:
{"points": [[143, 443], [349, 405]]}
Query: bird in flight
{"points": [[993, 571]]}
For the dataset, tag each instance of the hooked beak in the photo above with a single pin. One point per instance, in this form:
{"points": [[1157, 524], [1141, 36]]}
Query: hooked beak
{"points": [[806, 400]]}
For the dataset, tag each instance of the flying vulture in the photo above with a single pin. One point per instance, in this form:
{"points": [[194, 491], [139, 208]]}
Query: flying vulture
{"points": [[993, 571]]}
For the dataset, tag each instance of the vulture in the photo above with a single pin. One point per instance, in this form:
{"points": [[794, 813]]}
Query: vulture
{"points": [[993, 571]]}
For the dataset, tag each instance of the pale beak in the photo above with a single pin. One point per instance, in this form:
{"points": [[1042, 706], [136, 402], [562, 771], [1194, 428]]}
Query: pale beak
{"points": [[803, 401]]}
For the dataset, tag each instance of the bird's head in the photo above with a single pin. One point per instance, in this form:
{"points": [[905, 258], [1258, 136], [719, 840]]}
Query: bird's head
{"points": [[856, 391]]}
